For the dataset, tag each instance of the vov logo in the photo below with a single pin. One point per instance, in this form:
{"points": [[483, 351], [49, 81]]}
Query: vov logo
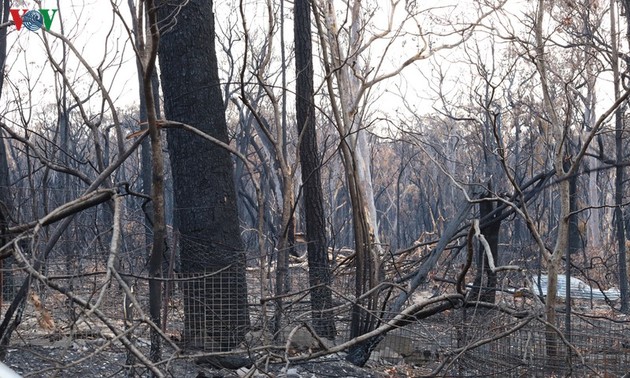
{"points": [[33, 19]]}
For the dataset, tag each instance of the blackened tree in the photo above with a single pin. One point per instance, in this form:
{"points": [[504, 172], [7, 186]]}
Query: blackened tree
{"points": [[216, 315], [319, 270]]}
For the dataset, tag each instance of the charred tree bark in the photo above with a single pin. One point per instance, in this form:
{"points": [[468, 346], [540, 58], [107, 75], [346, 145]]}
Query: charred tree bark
{"points": [[3, 240], [158, 247], [146, 173], [486, 291], [216, 315], [619, 172], [145, 154], [4, 168], [319, 267]]}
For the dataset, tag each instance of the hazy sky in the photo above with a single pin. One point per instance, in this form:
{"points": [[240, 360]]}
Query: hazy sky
{"points": [[88, 24]]}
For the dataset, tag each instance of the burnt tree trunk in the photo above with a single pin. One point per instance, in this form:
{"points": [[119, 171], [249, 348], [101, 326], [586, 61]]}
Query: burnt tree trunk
{"points": [[484, 287], [215, 315], [4, 168], [319, 268], [624, 287]]}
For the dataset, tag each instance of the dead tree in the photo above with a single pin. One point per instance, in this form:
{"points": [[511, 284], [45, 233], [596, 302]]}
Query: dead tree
{"points": [[205, 199], [319, 269], [484, 286]]}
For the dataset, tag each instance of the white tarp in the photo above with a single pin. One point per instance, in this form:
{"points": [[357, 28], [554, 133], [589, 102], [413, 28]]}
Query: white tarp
{"points": [[579, 289]]}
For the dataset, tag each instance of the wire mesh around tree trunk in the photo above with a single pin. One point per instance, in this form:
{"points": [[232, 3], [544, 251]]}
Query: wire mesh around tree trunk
{"points": [[214, 319]]}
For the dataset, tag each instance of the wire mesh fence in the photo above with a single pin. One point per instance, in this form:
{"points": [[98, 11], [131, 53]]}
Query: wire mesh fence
{"points": [[595, 347], [200, 309]]}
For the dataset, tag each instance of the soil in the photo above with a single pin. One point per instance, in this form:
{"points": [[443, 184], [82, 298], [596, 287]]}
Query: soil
{"points": [[87, 358]]}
